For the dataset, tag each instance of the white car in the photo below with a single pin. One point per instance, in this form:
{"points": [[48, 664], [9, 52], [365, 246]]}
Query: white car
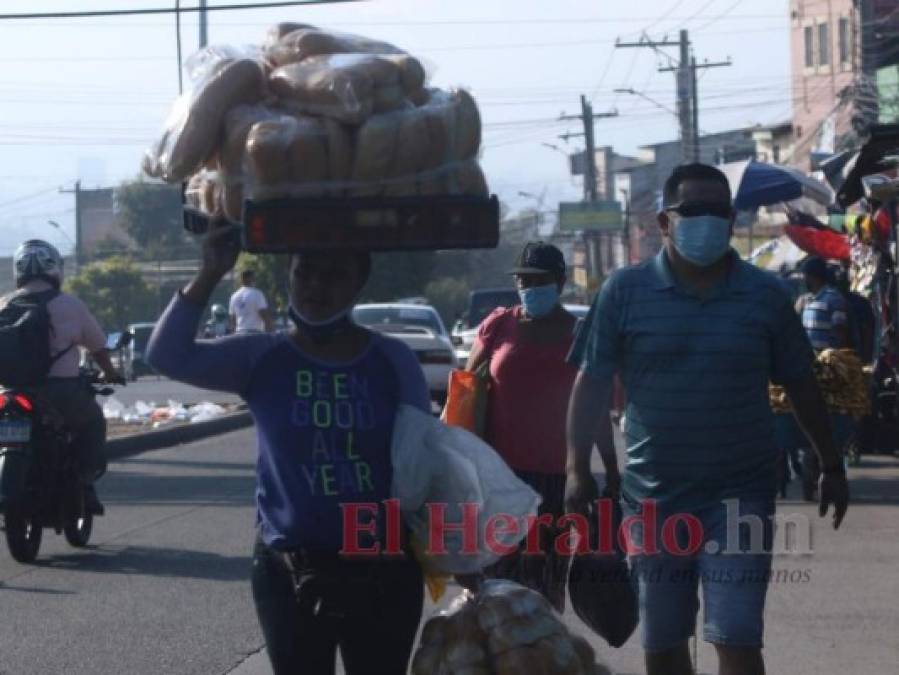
{"points": [[422, 329]]}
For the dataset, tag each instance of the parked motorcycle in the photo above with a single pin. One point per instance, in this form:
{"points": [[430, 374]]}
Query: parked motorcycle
{"points": [[39, 486]]}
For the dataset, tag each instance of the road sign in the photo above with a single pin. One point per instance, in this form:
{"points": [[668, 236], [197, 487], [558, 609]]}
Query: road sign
{"points": [[598, 216]]}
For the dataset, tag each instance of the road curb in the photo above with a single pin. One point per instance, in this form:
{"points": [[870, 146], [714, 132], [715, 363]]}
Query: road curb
{"points": [[157, 439]]}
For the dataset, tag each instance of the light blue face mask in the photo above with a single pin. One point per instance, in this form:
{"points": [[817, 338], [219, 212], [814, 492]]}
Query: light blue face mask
{"points": [[539, 300], [702, 240]]}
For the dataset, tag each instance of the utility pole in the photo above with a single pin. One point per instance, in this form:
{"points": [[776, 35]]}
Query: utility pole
{"points": [[178, 45], [204, 31], [591, 241], [78, 225], [684, 69], [587, 116]]}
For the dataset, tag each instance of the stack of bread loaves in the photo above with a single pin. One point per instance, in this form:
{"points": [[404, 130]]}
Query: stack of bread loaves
{"points": [[505, 629], [315, 113]]}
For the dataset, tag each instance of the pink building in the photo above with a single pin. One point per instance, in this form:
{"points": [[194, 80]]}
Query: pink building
{"points": [[837, 48]]}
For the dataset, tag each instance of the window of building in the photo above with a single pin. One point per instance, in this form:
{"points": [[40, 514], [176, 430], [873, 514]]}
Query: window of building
{"points": [[844, 41], [809, 47], [823, 44]]}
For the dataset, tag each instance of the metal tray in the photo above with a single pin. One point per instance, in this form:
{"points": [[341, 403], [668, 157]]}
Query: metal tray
{"points": [[376, 223]]}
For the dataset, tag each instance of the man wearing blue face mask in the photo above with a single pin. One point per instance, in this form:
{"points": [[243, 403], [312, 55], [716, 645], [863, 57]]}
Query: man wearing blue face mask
{"points": [[696, 334]]}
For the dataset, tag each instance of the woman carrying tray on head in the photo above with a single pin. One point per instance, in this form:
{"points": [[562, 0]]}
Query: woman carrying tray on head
{"points": [[324, 398]]}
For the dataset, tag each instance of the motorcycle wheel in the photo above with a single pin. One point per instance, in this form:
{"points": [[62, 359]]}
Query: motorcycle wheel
{"points": [[23, 535], [78, 530]]}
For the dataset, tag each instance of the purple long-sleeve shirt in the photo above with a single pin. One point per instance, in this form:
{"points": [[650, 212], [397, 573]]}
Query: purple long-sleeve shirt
{"points": [[323, 429]]}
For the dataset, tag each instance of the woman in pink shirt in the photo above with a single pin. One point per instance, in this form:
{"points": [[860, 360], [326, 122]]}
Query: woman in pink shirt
{"points": [[528, 404]]}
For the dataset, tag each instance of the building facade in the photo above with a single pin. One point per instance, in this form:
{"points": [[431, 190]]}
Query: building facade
{"points": [[838, 47]]}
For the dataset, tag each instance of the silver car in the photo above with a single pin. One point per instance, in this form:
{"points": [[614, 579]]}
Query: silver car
{"points": [[422, 329]]}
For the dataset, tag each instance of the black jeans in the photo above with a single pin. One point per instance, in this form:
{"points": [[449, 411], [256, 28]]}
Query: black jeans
{"points": [[370, 609], [76, 404]]}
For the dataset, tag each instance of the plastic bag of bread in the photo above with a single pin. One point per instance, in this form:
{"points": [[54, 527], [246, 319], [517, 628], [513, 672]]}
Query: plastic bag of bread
{"points": [[288, 155], [304, 42], [530, 638], [523, 630], [279, 30], [195, 126], [345, 87], [503, 601], [204, 192], [454, 124]]}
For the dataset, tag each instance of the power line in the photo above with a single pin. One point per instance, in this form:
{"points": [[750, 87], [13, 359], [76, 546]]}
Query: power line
{"points": [[461, 22], [163, 10], [699, 11], [664, 16], [28, 197], [716, 19]]}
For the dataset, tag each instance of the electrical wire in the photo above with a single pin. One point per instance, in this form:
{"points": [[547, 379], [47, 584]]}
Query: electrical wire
{"points": [[417, 23], [664, 16], [716, 19], [698, 12], [163, 10], [28, 197]]}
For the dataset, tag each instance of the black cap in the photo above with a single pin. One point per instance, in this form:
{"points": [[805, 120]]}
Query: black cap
{"points": [[540, 258], [815, 267]]}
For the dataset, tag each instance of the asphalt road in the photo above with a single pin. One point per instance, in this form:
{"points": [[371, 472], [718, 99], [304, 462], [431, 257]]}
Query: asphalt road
{"points": [[164, 588]]}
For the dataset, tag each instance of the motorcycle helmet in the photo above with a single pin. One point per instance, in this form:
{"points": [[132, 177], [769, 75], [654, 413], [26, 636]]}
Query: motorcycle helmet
{"points": [[219, 312], [36, 259]]}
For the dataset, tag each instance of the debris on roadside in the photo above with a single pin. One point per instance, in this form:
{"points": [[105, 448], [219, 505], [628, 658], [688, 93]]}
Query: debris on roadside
{"points": [[124, 419]]}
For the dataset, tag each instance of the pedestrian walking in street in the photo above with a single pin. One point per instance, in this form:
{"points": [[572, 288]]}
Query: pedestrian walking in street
{"points": [[824, 313], [531, 383], [248, 308], [324, 398], [696, 334]]}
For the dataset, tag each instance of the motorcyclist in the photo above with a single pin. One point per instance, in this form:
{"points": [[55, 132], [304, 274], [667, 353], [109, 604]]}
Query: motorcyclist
{"points": [[218, 324], [38, 267]]}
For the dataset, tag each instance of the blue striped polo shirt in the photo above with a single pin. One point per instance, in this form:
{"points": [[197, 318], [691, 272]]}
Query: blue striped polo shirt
{"points": [[696, 371], [821, 314]]}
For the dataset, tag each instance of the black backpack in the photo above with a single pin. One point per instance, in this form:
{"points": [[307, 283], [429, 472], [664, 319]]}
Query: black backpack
{"points": [[25, 339]]}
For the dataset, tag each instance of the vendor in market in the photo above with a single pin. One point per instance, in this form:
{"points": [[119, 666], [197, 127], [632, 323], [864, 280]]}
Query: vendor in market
{"points": [[823, 310], [324, 398]]}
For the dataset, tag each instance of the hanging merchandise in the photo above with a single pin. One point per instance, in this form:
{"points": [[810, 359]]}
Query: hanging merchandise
{"points": [[825, 244], [815, 238]]}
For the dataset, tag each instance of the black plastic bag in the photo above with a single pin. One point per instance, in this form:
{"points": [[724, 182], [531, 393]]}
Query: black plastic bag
{"points": [[600, 587]]}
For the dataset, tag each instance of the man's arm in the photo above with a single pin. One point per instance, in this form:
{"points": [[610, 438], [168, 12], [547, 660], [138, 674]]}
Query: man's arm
{"points": [[589, 424], [110, 374], [266, 315], [811, 414], [839, 322]]}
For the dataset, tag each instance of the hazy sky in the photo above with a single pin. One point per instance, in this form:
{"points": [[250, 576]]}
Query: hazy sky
{"points": [[82, 98]]}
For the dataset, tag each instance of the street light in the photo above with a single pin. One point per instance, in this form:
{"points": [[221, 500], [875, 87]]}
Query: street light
{"points": [[556, 148], [57, 226]]}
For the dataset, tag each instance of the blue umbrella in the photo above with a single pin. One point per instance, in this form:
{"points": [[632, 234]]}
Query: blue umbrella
{"points": [[756, 184]]}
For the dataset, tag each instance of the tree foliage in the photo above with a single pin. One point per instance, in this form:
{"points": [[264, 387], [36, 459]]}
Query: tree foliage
{"points": [[115, 291], [398, 275], [151, 214]]}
